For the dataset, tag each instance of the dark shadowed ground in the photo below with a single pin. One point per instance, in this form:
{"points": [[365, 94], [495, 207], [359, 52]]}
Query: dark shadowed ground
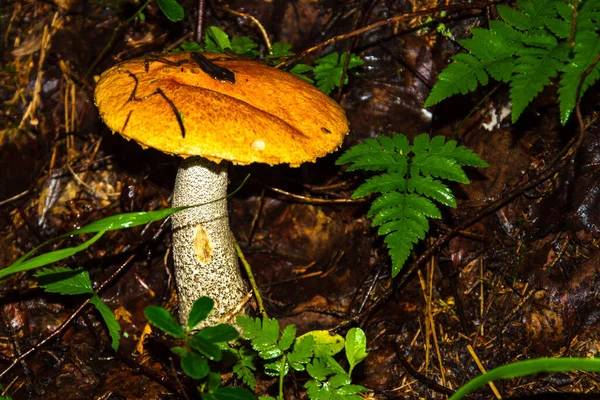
{"points": [[520, 280]]}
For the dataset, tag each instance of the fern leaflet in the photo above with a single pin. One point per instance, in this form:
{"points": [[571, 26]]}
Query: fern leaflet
{"points": [[410, 184], [527, 50]]}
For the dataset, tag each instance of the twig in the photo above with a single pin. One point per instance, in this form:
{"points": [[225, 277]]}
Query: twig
{"points": [[384, 22], [259, 301], [314, 200], [256, 22]]}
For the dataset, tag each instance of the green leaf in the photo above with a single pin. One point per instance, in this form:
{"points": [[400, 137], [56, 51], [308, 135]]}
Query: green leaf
{"points": [[287, 337], [109, 319], [244, 367], [64, 280], [528, 367], [216, 40], [171, 9], [356, 347], [200, 311], [319, 369], [263, 335], [245, 46], [515, 18], [302, 353], [325, 343], [219, 333], [204, 347], [231, 393], [282, 49], [191, 46], [194, 365], [329, 70], [164, 321], [180, 351], [48, 258], [213, 381]]}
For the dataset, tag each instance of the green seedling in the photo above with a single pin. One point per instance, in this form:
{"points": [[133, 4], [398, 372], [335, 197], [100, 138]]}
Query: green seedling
{"points": [[200, 349]]}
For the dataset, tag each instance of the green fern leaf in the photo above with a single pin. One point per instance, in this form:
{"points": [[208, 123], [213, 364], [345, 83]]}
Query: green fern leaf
{"points": [[535, 67], [538, 11], [408, 189], [513, 17], [382, 184], [586, 50], [462, 76], [439, 167], [462, 155], [371, 156], [427, 186], [528, 50]]}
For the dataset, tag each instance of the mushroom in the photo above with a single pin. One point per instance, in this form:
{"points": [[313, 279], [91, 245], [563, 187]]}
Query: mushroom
{"points": [[210, 108]]}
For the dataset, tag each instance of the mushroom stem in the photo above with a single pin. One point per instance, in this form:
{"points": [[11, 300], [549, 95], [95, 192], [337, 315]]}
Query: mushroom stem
{"points": [[203, 246]]}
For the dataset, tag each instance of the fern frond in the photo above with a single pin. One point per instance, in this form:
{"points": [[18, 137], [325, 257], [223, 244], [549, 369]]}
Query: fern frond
{"points": [[408, 194], [535, 66], [382, 184], [373, 155], [587, 47], [427, 186], [529, 49]]}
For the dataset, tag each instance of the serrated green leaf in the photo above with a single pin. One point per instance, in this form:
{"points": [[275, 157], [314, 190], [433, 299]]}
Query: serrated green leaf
{"points": [[244, 367], [263, 335], [329, 69], [436, 189], [205, 347], [109, 319], [245, 46], [464, 75], [200, 311], [302, 352], [339, 380], [163, 320], [383, 183], [172, 9], [287, 337], [516, 18], [534, 68], [194, 365], [282, 49], [219, 333], [64, 280], [438, 167], [319, 369]]}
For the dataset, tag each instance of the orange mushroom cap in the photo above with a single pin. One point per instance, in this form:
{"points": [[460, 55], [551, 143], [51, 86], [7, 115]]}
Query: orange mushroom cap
{"points": [[266, 115]]}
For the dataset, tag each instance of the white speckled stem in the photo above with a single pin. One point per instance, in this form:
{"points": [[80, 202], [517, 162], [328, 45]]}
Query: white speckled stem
{"points": [[205, 259]]}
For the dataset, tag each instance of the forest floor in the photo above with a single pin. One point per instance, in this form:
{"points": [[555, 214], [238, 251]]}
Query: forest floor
{"points": [[512, 273]]}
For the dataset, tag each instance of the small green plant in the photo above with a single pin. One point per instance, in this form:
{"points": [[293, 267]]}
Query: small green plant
{"points": [[200, 349], [68, 281], [312, 352], [538, 42], [326, 73], [411, 179]]}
